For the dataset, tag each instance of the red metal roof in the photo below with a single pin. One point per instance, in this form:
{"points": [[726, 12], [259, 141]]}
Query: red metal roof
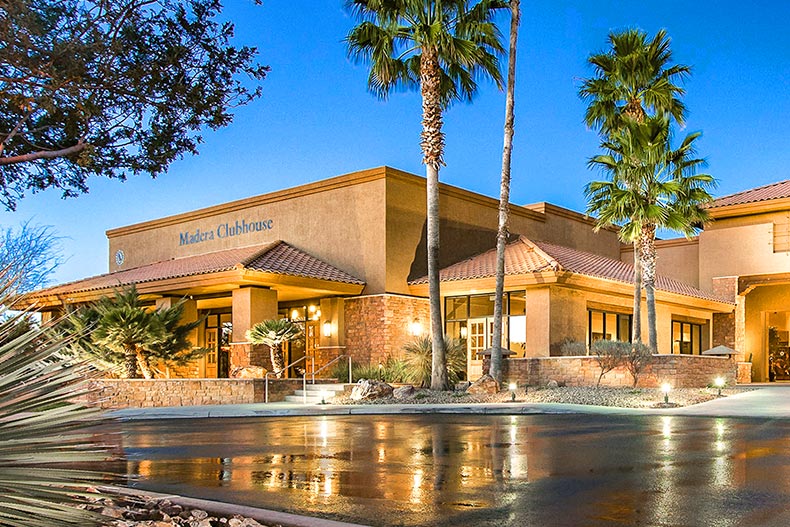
{"points": [[277, 257], [777, 190], [524, 256]]}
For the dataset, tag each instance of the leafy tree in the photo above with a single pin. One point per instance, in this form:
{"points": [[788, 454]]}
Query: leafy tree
{"points": [[609, 354], [40, 428], [495, 368], [274, 333], [33, 252], [111, 88], [633, 80], [650, 186], [441, 48]]}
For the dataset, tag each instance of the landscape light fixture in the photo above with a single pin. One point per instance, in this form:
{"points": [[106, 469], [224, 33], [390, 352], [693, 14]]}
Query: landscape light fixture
{"points": [[513, 386], [719, 383], [323, 396], [666, 388], [381, 371]]}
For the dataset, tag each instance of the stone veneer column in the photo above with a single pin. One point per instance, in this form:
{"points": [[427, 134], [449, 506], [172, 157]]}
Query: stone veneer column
{"points": [[724, 324], [250, 306]]}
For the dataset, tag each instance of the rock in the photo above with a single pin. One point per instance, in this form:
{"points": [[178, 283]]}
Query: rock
{"points": [[199, 514], [462, 386], [112, 512], [485, 385], [248, 372], [235, 522], [370, 389], [404, 392], [552, 384]]}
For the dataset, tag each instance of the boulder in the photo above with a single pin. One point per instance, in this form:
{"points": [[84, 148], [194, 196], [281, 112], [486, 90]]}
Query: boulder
{"points": [[462, 386], [404, 392], [248, 372], [485, 385], [552, 384], [370, 389]]}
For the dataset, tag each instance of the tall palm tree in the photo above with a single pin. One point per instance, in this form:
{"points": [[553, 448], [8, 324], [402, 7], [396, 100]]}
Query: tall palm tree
{"points": [[634, 79], [650, 186], [495, 369], [441, 47]]}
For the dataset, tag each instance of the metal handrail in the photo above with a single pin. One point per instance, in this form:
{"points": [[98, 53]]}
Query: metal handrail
{"points": [[266, 377], [325, 366]]}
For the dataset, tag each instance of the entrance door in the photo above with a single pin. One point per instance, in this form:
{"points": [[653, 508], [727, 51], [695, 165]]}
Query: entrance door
{"points": [[211, 354], [476, 341]]}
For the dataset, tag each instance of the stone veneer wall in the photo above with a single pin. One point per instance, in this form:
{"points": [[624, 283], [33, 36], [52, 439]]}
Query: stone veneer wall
{"points": [[250, 355], [141, 393], [724, 323], [377, 326], [682, 371]]}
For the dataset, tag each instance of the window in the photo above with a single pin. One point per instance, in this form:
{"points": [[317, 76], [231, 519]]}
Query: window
{"points": [[782, 235], [460, 310], [608, 326], [686, 338]]}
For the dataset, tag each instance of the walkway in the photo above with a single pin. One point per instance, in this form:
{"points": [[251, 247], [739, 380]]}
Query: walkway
{"points": [[767, 402]]}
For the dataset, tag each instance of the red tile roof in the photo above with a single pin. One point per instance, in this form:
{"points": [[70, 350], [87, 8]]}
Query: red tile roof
{"points": [[277, 257], [777, 190], [524, 256]]}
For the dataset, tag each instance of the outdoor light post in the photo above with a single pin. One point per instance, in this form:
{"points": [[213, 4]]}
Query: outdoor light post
{"points": [[666, 388]]}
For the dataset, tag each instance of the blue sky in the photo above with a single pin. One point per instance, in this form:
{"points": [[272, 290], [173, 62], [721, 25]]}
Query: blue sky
{"points": [[317, 120]]}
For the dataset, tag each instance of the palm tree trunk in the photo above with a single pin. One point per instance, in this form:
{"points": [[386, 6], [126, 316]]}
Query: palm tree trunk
{"points": [[432, 142], [636, 323], [130, 362], [648, 255], [495, 369], [278, 361], [145, 368]]}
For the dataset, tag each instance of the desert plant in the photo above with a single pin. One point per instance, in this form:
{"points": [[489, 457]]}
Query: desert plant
{"points": [[273, 333], [418, 360], [39, 429], [568, 347], [609, 354], [637, 358]]}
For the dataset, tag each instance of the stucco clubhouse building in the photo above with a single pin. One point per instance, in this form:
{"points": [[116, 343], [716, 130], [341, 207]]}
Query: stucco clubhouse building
{"points": [[345, 258]]}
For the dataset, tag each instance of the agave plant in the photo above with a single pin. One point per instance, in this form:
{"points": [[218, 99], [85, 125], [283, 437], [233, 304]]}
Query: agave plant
{"points": [[40, 428], [418, 360], [273, 333]]}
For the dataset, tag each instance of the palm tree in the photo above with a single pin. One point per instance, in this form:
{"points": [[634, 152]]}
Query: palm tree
{"points": [[442, 48], [495, 369], [633, 80], [128, 328], [651, 186], [273, 333]]}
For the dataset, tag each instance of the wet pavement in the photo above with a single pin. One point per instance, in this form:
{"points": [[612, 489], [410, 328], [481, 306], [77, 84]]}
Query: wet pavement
{"points": [[476, 470]]}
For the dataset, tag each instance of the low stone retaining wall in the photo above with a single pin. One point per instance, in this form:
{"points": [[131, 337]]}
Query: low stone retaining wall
{"points": [[141, 393], [681, 371]]}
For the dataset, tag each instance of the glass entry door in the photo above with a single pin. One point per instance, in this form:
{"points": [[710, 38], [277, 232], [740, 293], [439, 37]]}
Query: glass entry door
{"points": [[212, 345]]}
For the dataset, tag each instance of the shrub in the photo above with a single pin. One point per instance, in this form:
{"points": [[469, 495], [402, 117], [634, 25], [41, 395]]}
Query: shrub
{"points": [[568, 347], [638, 357], [394, 371], [609, 354], [419, 356]]}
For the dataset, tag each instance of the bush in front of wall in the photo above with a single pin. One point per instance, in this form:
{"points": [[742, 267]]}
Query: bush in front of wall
{"points": [[418, 360]]}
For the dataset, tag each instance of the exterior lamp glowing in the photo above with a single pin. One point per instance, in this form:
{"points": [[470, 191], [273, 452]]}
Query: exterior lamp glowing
{"points": [[666, 388], [381, 371], [415, 329], [719, 383], [294, 314], [327, 327], [464, 332], [513, 386], [311, 309], [323, 397]]}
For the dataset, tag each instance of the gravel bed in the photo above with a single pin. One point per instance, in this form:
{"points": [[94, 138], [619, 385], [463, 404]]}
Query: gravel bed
{"points": [[621, 397]]}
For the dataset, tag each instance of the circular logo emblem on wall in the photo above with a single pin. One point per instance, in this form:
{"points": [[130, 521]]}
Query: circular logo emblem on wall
{"points": [[119, 257]]}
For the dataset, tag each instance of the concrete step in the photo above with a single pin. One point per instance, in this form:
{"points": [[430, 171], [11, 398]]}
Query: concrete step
{"points": [[300, 399], [325, 387], [313, 392]]}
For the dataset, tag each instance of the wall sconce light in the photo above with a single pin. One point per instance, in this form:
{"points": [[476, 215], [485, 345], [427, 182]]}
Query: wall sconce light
{"points": [[464, 332], [415, 329], [311, 309], [327, 329], [294, 314]]}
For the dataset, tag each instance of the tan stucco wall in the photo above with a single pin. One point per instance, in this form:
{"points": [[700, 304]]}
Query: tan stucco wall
{"points": [[740, 246], [675, 258], [342, 225], [755, 338]]}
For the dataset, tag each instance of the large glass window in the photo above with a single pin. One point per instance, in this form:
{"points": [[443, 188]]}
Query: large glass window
{"points": [[459, 310], [604, 325], [686, 338]]}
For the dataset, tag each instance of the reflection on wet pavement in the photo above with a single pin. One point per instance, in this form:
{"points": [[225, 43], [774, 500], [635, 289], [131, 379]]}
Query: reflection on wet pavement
{"points": [[477, 470]]}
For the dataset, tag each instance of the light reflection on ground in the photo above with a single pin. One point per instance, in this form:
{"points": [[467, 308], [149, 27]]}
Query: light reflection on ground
{"points": [[477, 470]]}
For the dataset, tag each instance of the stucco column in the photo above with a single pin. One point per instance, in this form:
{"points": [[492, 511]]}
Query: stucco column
{"points": [[538, 301], [189, 314], [250, 306]]}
